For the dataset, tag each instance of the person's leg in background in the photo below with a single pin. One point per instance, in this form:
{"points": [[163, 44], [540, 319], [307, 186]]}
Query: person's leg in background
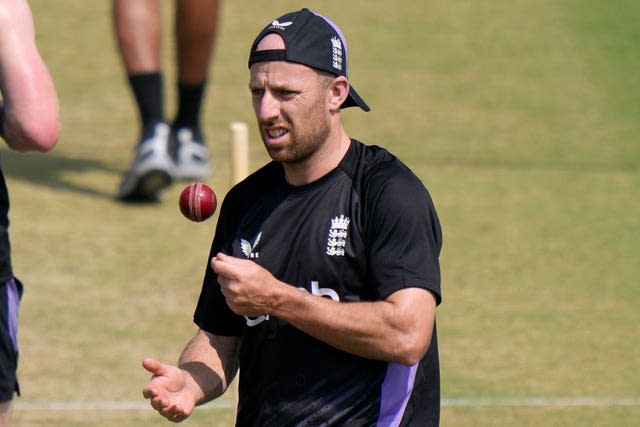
{"points": [[138, 27], [165, 153], [195, 28]]}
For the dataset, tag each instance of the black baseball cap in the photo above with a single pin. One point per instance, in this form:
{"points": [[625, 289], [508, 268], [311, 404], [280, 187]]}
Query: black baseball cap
{"points": [[310, 39]]}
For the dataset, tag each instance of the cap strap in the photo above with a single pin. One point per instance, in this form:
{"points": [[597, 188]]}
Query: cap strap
{"points": [[267, 55]]}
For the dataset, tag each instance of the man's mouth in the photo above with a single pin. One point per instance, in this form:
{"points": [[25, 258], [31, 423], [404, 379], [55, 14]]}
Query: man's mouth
{"points": [[275, 133]]}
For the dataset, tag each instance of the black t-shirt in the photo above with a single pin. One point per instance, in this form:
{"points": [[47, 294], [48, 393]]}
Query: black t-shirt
{"points": [[5, 247], [362, 232], [6, 271]]}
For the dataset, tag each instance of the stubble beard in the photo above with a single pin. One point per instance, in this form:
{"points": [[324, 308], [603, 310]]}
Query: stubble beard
{"points": [[304, 141]]}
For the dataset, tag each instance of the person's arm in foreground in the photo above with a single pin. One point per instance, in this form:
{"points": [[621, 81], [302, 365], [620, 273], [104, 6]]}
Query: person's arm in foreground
{"points": [[29, 101], [397, 329], [206, 367]]}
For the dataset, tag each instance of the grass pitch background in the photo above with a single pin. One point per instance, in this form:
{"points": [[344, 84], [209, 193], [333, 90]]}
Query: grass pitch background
{"points": [[522, 118]]}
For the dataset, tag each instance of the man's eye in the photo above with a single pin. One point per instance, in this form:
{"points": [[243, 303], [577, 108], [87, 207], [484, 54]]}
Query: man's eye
{"points": [[287, 93]]}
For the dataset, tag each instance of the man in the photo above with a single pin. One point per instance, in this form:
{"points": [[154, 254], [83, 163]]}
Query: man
{"points": [[165, 152], [29, 121], [324, 275]]}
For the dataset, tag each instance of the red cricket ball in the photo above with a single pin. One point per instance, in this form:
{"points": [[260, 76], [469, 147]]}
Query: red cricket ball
{"points": [[198, 202]]}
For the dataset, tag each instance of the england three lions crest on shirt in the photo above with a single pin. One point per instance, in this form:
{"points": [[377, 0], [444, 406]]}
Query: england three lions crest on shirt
{"points": [[338, 233]]}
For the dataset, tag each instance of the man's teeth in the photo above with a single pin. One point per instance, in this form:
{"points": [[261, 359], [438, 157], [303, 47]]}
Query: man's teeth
{"points": [[274, 133]]}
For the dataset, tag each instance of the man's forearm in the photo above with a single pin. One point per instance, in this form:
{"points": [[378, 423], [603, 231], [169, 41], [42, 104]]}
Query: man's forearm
{"points": [[211, 362], [396, 330]]}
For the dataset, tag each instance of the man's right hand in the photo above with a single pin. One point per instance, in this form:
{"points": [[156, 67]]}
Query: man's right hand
{"points": [[169, 391]]}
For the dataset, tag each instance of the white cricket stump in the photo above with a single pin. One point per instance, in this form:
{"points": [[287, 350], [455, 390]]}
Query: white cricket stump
{"points": [[239, 151]]}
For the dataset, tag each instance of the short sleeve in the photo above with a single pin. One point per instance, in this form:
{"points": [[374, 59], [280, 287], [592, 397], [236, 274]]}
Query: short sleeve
{"points": [[212, 313], [402, 230]]}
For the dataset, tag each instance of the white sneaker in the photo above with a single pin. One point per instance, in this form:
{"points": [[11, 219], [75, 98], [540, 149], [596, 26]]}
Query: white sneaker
{"points": [[193, 161], [151, 170]]}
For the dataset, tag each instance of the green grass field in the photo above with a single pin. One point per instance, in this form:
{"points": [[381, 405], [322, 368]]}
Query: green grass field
{"points": [[521, 117]]}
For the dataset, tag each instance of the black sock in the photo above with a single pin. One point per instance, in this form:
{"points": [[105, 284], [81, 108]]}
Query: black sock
{"points": [[189, 106], [149, 96]]}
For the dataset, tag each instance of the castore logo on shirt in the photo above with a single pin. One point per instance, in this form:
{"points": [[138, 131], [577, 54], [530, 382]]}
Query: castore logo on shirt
{"points": [[248, 248]]}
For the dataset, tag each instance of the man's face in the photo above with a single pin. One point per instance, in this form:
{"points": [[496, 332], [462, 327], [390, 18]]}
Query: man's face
{"points": [[291, 106]]}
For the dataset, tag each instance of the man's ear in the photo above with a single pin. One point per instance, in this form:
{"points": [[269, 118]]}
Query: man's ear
{"points": [[339, 92]]}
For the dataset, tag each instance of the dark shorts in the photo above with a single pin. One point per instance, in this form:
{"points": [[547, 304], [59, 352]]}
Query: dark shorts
{"points": [[10, 294]]}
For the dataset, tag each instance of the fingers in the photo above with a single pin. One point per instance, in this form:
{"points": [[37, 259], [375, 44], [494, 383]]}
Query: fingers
{"points": [[161, 403], [218, 259], [159, 370], [214, 263], [170, 411], [153, 366], [222, 256], [224, 265], [162, 391], [150, 391]]}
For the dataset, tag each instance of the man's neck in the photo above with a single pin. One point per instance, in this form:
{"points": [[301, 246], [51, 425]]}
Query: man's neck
{"points": [[326, 159]]}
